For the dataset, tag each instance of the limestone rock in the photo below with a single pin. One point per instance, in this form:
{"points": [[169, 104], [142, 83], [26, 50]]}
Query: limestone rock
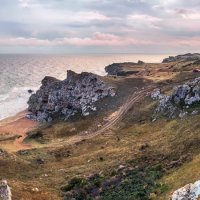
{"points": [[183, 97], [78, 93], [5, 191], [188, 192]]}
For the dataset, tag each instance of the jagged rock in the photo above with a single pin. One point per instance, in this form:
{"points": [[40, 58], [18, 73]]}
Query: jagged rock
{"points": [[165, 106], [179, 93], [185, 57], [182, 98], [119, 69], [5, 192], [76, 94], [156, 93], [188, 192]]}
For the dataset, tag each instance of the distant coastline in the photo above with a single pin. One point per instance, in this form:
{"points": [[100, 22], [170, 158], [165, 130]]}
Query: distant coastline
{"points": [[14, 84]]}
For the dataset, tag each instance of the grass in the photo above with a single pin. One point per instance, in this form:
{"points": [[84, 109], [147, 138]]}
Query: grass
{"points": [[172, 145]]}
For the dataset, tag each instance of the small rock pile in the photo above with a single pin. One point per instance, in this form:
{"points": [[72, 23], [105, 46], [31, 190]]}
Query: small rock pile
{"points": [[76, 94], [182, 98], [190, 192], [5, 192]]}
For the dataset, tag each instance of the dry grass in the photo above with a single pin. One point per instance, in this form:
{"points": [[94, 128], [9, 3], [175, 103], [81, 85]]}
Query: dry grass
{"points": [[117, 146]]}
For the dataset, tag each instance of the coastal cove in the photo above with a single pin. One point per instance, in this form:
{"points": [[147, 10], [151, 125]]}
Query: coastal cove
{"points": [[19, 73], [130, 134]]}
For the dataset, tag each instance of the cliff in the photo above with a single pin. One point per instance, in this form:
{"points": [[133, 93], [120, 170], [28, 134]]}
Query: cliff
{"points": [[78, 93]]}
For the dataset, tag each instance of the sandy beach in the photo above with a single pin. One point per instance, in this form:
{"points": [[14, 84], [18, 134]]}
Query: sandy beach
{"points": [[13, 131]]}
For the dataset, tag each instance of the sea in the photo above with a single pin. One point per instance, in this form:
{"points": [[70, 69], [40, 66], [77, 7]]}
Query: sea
{"points": [[19, 73]]}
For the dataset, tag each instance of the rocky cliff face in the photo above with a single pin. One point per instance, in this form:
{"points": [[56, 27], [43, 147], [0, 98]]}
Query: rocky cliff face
{"points": [[181, 100], [185, 57], [118, 69], [76, 94]]}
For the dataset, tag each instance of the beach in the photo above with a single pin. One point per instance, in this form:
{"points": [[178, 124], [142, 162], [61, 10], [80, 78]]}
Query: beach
{"points": [[13, 131]]}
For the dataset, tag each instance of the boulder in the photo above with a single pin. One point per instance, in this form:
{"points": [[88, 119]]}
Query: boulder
{"points": [[189, 191], [78, 93], [5, 191]]}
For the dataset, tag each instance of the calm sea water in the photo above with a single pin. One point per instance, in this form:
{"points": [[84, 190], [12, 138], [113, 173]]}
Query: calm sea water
{"points": [[18, 73]]}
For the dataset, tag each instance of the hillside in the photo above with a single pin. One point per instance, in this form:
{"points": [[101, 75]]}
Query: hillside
{"points": [[120, 151]]}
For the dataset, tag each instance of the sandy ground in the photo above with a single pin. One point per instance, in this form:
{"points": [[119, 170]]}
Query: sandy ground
{"points": [[16, 125]]}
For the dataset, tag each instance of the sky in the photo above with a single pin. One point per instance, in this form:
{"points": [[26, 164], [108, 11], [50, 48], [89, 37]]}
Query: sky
{"points": [[99, 26]]}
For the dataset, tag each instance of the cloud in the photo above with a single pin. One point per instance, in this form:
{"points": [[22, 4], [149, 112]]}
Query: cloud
{"points": [[97, 39], [90, 24], [24, 3], [188, 14]]}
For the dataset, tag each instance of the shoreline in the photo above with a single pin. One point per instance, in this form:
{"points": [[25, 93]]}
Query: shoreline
{"points": [[16, 127]]}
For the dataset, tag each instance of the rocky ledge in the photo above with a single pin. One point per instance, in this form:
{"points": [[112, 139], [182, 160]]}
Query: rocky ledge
{"points": [[185, 57], [78, 93], [184, 99], [122, 69]]}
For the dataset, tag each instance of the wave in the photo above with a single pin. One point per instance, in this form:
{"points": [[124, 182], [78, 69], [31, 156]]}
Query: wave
{"points": [[14, 102]]}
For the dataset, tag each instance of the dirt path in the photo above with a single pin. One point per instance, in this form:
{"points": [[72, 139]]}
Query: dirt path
{"points": [[135, 98], [19, 125]]}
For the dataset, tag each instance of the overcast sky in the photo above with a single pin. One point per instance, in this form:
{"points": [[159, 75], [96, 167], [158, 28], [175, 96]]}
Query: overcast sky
{"points": [[99, 26]]}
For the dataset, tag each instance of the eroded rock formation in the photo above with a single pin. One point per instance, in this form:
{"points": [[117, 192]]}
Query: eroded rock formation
{"points": [[122, 69], [78, 93], [181, 99], [188, 192]]}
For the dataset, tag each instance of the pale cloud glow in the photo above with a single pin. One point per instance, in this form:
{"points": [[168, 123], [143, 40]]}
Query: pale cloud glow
{"points": [[139, 26], [24, 3]]}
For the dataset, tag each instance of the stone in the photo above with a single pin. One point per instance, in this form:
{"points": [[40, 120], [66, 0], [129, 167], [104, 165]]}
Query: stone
{"points": [[78, 93], [156, 93], [188, 192], [182, 114], [5, 191], [2, 152], [182, 97], [23, 152], [195, 112]]}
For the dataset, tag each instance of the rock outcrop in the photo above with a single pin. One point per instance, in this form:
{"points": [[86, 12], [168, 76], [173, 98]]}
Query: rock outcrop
{"points": [[188, 192], [185, 57], [5, 192], [119, 69], [181, 99], [78, 93]]}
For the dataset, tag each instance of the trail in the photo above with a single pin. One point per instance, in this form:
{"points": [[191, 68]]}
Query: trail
{"points": [[21, 125], [135, 98]]}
